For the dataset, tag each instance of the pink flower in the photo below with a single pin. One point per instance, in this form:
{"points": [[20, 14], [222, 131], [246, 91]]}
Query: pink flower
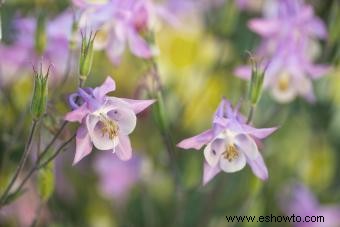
{"points": [[303, 203], [289, 34], [229, 144], [116, 177], [121, 24], [105, 121]]}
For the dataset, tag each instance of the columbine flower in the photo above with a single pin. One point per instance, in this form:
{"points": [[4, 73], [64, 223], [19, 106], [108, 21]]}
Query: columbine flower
{"points": [[303, 203], [121, 23], [289, 34], [105, 121], [115, 176], [23, 50], [230, 144]]}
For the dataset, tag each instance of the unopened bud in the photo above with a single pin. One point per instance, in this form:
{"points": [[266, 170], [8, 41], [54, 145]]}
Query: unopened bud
{"points": [[40, 35], [256, 84], [40, 92], [86, 55]]}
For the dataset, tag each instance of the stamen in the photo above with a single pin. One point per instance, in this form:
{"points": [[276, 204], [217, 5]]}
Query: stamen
{"points": [[109, 127], [230, 153], [284, 82]]}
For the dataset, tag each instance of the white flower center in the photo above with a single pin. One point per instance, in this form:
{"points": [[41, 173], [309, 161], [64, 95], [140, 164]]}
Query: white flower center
{"points": [[284, 82], [110, 127]]}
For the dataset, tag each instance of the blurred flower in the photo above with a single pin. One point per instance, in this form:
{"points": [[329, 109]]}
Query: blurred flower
{"points": [[22, 53], [289, 36], [105, 121], [12, 59], [116, 177], [123, 22], [24, 209], [302, 203], [230, 144]]}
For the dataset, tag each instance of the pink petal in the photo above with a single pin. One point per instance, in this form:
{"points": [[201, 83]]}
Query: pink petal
{"points": [[83, 144], [138, 45], [317, 71], [209, 172], [264, 27], [259, 133], [243, 72], [124, 150], [139, 105], [197, 142], [108, 86], [258, 167], [77, 114]]}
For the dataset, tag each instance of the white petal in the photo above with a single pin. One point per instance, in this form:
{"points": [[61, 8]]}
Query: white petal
{"points": [[100, 141], [245, 144], [234, 165], [125, 118], [213, 151]]}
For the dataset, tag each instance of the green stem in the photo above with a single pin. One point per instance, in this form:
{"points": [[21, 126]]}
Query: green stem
{"points": [[21, 163], [42, 165], [251, 113]]}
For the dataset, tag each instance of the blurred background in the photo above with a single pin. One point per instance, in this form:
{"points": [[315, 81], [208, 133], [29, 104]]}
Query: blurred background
{"points": [[196, 59]]}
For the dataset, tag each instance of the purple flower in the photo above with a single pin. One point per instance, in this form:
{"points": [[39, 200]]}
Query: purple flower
{"points": [[230, 144], [116, 177], [121, 23], [289, 33], [105, 121], [22, 54], [302, 203]]}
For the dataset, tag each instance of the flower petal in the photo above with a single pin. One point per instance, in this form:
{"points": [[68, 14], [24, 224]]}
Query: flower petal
{"points": [[234, 165], [264, 27], [209, 172], [246, 145], [259, 133], [100, 140], [83, 144], [139, 105], [213, 151], [125, 118], [77, 114], [124, 150], [258, 167], [138, 45], [108, 86], [197, 142]]}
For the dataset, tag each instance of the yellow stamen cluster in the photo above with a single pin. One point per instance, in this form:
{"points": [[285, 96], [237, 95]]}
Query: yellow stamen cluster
{"points": [[284, 82], [109, 127], [230, 153]]}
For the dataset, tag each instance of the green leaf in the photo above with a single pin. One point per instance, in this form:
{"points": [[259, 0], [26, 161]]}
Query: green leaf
{"points": [[46, 182]]}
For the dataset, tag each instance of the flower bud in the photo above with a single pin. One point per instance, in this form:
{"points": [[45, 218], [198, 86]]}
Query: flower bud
{"points": [[40, 35], [39, 99], [256, 84], [86, 56]]}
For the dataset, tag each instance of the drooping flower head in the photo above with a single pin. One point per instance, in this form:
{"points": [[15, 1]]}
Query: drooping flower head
{"points": [[300, 201], [230, 144], [290, 33], [106, 121]]}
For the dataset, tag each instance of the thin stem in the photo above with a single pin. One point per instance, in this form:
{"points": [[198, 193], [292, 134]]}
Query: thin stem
{"points": [[251, 113], [42, 154], [42, 165], [21, 163]]}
